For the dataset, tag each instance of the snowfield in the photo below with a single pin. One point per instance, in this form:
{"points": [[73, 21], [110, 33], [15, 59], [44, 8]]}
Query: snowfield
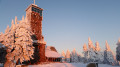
{"points": [[69, 65]]}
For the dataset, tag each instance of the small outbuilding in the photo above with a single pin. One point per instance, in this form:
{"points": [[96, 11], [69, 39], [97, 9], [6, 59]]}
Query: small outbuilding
{"points": [[52, 55]]}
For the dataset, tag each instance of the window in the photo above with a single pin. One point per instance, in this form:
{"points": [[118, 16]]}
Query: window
{"points": [[40, 12], [37, 10]]}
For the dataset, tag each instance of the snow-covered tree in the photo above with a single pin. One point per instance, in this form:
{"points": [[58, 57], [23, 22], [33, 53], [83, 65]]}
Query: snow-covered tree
{"points": [[90, 44], [74, 56], [91, 55], [63, 56], [91, 51], [18, 42], [23, 42], [9, 37], [67, 56], [108, 55], [85, 48], [97, 48], [1, 37], [85, 53], [118, 51], [9, 42], [99, 55], [79, 58]]}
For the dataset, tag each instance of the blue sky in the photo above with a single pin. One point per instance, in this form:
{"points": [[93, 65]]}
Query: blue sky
{"points": [[67, 24]]}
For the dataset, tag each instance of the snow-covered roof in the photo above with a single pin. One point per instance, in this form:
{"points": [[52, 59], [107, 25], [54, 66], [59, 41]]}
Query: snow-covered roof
{"points": [[50, 53]]}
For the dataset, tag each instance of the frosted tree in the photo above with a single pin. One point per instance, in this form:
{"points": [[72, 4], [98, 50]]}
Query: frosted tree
{"points": [[85, 53], [9, 42], [9, 37], [85, 48], [7, 29], [97, 48], [1, 37], [67, 56], [79, 57], [99, 55], [91, 51], [118, 51], [63, 56], [108, 55], [19, 43], [23, 42], [107, 46], [90, 44], [74, 56], [91, 56]]}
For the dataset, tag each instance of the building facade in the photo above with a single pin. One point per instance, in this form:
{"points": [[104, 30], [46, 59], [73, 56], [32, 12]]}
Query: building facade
{"points": [[34, 16]]}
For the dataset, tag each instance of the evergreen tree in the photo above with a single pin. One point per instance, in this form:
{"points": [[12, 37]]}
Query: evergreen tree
{"points": [[74, 56], [63, 56], [67, 56], [1, 37], [99, 55], [97, 48], [9, 42], [90, 44], [18, 42], [23, 42], [108, 55], [79, 57], [85, 53], [118, 51], [91, 51]]}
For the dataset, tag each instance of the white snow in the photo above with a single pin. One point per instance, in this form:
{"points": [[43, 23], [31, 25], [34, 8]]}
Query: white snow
{"points": [[69, 65]]}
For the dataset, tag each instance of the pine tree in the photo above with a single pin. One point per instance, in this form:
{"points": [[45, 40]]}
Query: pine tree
{"points": [[1, 37], [118, 51], [85, 47], [18, 42], [74, 56], [90, 44], [67, 56], [99, 55], [63, 56], [9, 43], [23, 42], [85, 53], [97, 48], [91, 51], [79, 57], [108, 55]]}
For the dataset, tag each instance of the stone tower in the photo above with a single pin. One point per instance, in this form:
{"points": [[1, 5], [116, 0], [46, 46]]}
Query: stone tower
{"points": [[34, 16]]}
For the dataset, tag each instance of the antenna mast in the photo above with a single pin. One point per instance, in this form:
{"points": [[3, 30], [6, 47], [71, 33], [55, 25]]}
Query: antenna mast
{"points": [[34, 1]]}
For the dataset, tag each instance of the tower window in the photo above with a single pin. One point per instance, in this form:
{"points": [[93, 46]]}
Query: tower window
{"points": [[37, 10]]}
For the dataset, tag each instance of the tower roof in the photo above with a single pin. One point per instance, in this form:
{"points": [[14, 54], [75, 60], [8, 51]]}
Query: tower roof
{"points": [[33, 5]]}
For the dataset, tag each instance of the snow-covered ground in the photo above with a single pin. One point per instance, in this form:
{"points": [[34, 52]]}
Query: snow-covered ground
{"points": [[69, 65], [65, 65]]}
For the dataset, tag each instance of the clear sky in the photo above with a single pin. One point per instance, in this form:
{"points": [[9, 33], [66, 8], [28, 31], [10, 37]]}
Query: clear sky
{"points": [[67, 24]]}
